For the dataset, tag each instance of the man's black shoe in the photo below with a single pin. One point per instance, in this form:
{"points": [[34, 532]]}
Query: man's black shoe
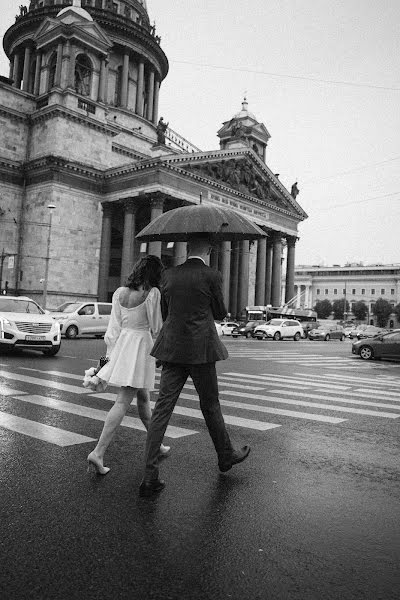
{"points": [[238, 456], [149, 488]]}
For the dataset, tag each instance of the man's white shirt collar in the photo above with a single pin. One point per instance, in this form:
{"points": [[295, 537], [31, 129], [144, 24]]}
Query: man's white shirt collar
{"points": [[199, 257]]}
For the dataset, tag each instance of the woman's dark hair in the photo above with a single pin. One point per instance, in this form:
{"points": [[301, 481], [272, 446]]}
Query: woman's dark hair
{"points": [[146, 272]]}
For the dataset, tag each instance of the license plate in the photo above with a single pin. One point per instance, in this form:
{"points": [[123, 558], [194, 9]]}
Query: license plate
{"points": [[37, 338]]}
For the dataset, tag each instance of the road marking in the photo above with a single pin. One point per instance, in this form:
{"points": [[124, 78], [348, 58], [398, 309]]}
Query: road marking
{"points": [[333, 399], [46, 433], [382, 393], [283, 379], [98, 415], [356, 411], [44, 382], [267, 409], [6, 391]]}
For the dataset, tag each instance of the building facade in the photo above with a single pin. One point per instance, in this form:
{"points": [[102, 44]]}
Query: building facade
{"points": [[353, 282], [86, 162]]}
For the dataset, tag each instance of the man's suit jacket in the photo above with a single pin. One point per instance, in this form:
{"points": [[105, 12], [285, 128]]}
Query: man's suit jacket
{"points": [[191, 299]]}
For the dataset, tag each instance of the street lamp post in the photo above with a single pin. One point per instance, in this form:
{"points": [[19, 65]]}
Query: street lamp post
{"points": [[51, 207]]}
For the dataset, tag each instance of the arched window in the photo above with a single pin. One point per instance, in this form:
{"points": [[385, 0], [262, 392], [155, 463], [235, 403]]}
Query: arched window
{"points": [[52, 70], [83, 75]]}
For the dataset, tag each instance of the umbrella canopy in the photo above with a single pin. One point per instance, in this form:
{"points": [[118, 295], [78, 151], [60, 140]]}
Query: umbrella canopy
{"points": [[223, 224]]}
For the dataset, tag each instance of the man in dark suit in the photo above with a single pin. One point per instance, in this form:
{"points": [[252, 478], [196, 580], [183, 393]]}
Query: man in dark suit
{"points": [[188, 345]]}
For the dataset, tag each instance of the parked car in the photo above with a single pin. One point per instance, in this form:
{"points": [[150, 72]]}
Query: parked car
{"points": [[384, 345], [24, 324], [308, 326], [62, 307], [348, 330], [278, 329], [218, 327], [228, 326], [245, 329], [327, 332], [353, 333], [369, 332], [84, 318]]}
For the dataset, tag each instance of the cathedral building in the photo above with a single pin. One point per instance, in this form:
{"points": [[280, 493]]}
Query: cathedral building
{"points": [[86, 161]]}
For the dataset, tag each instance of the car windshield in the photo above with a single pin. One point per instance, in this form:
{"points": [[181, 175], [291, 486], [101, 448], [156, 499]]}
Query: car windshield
{"points": [[274, 322], [62, 307], [72, 307], [249, 323], [16, 305]]}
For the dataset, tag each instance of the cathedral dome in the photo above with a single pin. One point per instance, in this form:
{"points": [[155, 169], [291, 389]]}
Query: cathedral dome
{"points": [[244, 112], [77, 9]]}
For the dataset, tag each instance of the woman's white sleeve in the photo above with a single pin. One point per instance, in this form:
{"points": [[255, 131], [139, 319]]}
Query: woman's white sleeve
{"points": [[153, 307], [114, 324]]}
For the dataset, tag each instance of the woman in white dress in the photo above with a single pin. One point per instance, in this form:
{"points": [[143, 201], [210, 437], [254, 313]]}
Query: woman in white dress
{"points": [[135, 319]]}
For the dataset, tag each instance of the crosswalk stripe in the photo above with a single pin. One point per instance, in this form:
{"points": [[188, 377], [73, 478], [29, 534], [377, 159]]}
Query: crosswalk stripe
{"points": [[270, 410], [382, 393], [46, 433], [6, 391], [355, 380], [288, 379], [334, 399], [97, 415], [44, 382], [356, 411]]}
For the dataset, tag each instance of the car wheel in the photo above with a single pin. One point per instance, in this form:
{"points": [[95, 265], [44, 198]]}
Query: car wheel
{"points": [[234, 336], [342, 338], [72, 332], [297, 336], [98, 336], [277, 336], [366, 353], [51, 351], [248, 334], [327, 337]]}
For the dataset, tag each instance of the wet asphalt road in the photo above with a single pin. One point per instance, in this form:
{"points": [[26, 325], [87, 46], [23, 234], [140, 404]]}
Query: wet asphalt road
{"points": [[313, 514]]}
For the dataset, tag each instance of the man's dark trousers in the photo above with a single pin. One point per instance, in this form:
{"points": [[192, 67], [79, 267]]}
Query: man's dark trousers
{"points": [[173, 378]]}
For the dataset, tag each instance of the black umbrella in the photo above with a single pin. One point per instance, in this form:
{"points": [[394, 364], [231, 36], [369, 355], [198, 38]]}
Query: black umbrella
{"points": [[223, 224]]}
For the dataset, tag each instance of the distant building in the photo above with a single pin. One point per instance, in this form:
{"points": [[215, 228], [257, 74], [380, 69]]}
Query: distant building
{"points": [[354, 282], [80, 131]]}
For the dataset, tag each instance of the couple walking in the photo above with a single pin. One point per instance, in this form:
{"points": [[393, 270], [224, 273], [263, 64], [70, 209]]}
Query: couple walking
{"points": [[181, 318]]}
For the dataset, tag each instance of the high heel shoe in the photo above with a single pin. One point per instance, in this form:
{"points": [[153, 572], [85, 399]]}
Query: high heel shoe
{"points": [[165, 450], [95, 465]]}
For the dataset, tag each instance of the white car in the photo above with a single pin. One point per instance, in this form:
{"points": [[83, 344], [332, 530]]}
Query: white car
{"points": [[84, 318], [23, 324], [218, 327], [278, 329], [227, 327]]}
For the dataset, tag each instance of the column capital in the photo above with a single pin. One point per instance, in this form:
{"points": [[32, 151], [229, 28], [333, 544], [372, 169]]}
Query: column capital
{"points": [[157, 202], [107, 208], [291, 240], [128, 204]]}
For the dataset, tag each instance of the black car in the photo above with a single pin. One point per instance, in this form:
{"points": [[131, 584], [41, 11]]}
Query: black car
{"points": [[386, 345], [246, 329]]}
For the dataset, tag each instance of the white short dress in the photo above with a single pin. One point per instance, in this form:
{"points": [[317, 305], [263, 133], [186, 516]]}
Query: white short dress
{"points": [[129, 339]]}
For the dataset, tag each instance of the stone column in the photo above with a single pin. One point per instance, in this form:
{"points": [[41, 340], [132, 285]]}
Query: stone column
{"points": [[140, 90], [243, 278], [16, 68], [225, 268], [11, 70], [125, 80], [233, 286], [38, 70], [298, 299], [214, 257], [105, 249], [157, 205], [156, 97], [65, 65], [289, 293], [71, 75], [150, 101], [57, 77], [27, 64], [261, 271], [268, 272], [276, 270], [180, 253], [128, 240], [101, 96]]}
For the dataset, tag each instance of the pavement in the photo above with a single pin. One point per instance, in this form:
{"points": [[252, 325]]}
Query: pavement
{"points": [[311, 514]]}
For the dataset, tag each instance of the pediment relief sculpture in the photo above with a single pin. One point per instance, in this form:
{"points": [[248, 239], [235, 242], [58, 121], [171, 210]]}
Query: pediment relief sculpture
{"points": [[240, 176]]}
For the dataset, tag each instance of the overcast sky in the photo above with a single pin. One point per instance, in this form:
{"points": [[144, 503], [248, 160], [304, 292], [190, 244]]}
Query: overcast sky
{"points": [[324, 78]]}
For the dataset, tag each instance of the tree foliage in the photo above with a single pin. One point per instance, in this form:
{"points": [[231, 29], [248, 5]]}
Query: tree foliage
{"points": [[360, 310], [338, 308], [396, 311], [323, 308], [382, 310]]}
